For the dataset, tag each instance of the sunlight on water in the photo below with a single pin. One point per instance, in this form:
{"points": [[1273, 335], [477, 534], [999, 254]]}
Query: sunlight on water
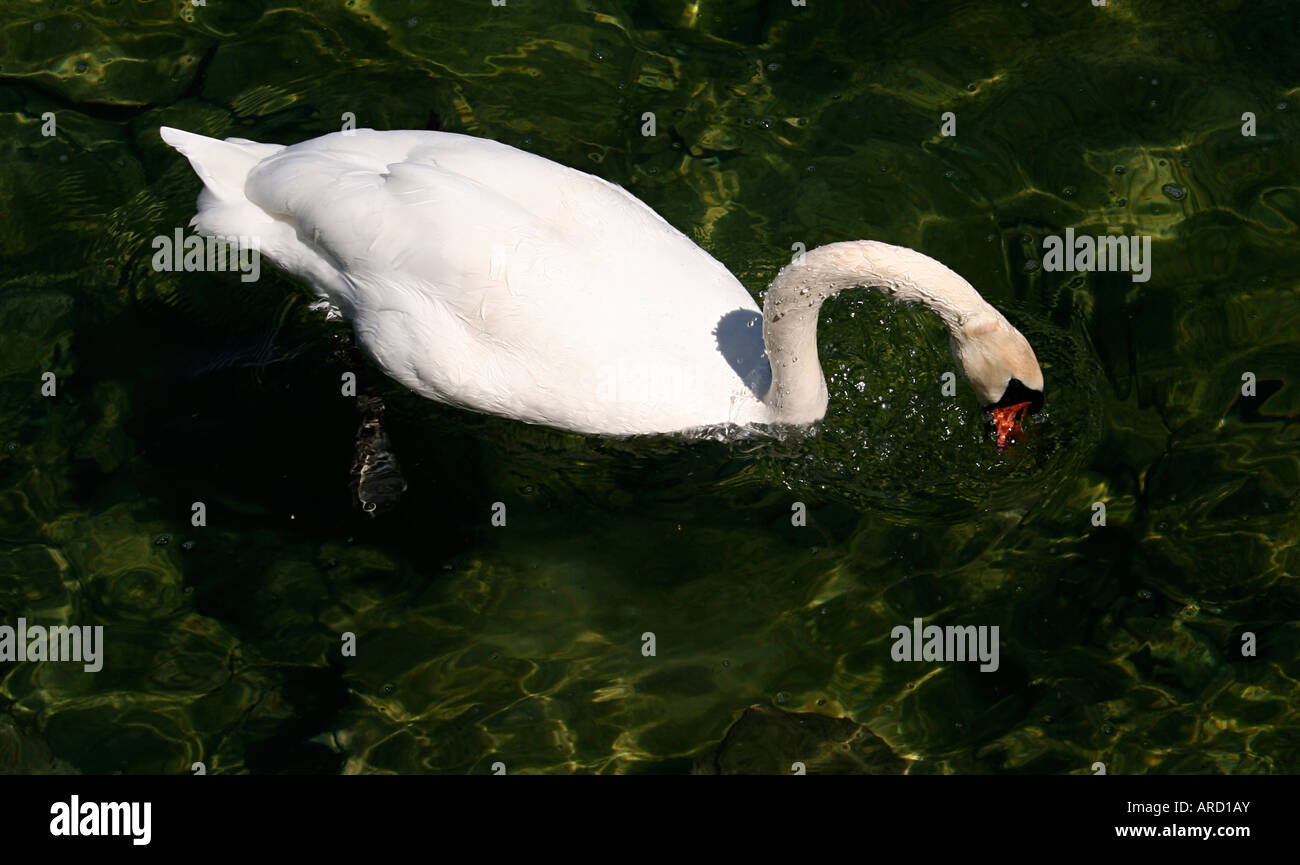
{"points": [[524, 644]]}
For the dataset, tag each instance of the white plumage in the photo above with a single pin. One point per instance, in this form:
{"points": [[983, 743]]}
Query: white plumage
{"points": [[486, 277]]}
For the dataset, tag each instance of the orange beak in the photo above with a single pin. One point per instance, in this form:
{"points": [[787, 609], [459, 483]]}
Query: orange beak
{"points": [[1007, 420]]}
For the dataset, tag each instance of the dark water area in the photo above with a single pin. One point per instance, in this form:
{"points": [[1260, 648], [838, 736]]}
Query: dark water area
{"points": [[1173, 402]]}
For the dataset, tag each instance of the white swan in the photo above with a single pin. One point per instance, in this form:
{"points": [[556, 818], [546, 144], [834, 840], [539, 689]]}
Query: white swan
{"points": [[483, 276]]}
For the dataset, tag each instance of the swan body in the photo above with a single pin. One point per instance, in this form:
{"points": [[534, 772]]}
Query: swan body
{"points": [[483, 276]]}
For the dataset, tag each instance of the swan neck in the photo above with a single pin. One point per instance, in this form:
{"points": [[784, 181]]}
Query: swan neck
{"points": [[798, 391]]}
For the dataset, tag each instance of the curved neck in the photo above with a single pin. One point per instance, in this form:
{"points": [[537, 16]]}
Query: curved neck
{"points": [[798, 390]]}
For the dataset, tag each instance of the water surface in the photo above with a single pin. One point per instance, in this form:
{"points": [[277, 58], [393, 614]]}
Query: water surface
{"points": [[776, 125]]}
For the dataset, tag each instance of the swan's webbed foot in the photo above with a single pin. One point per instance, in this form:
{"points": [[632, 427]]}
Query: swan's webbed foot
{"points": [[376, 476]]}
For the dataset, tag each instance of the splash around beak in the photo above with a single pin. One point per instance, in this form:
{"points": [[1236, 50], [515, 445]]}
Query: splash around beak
{"points": [[1006, 419], [1006, 414]]}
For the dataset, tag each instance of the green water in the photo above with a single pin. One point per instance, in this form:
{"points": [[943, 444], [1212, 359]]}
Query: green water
{"points": [[523, 644]]}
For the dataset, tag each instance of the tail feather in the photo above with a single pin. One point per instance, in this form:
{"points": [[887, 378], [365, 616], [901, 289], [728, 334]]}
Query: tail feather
{"points": [[223, 166], [224, 209]]}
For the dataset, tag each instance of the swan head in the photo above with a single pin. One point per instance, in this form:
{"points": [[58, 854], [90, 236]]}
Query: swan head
{"points": [[1001, 366]]}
